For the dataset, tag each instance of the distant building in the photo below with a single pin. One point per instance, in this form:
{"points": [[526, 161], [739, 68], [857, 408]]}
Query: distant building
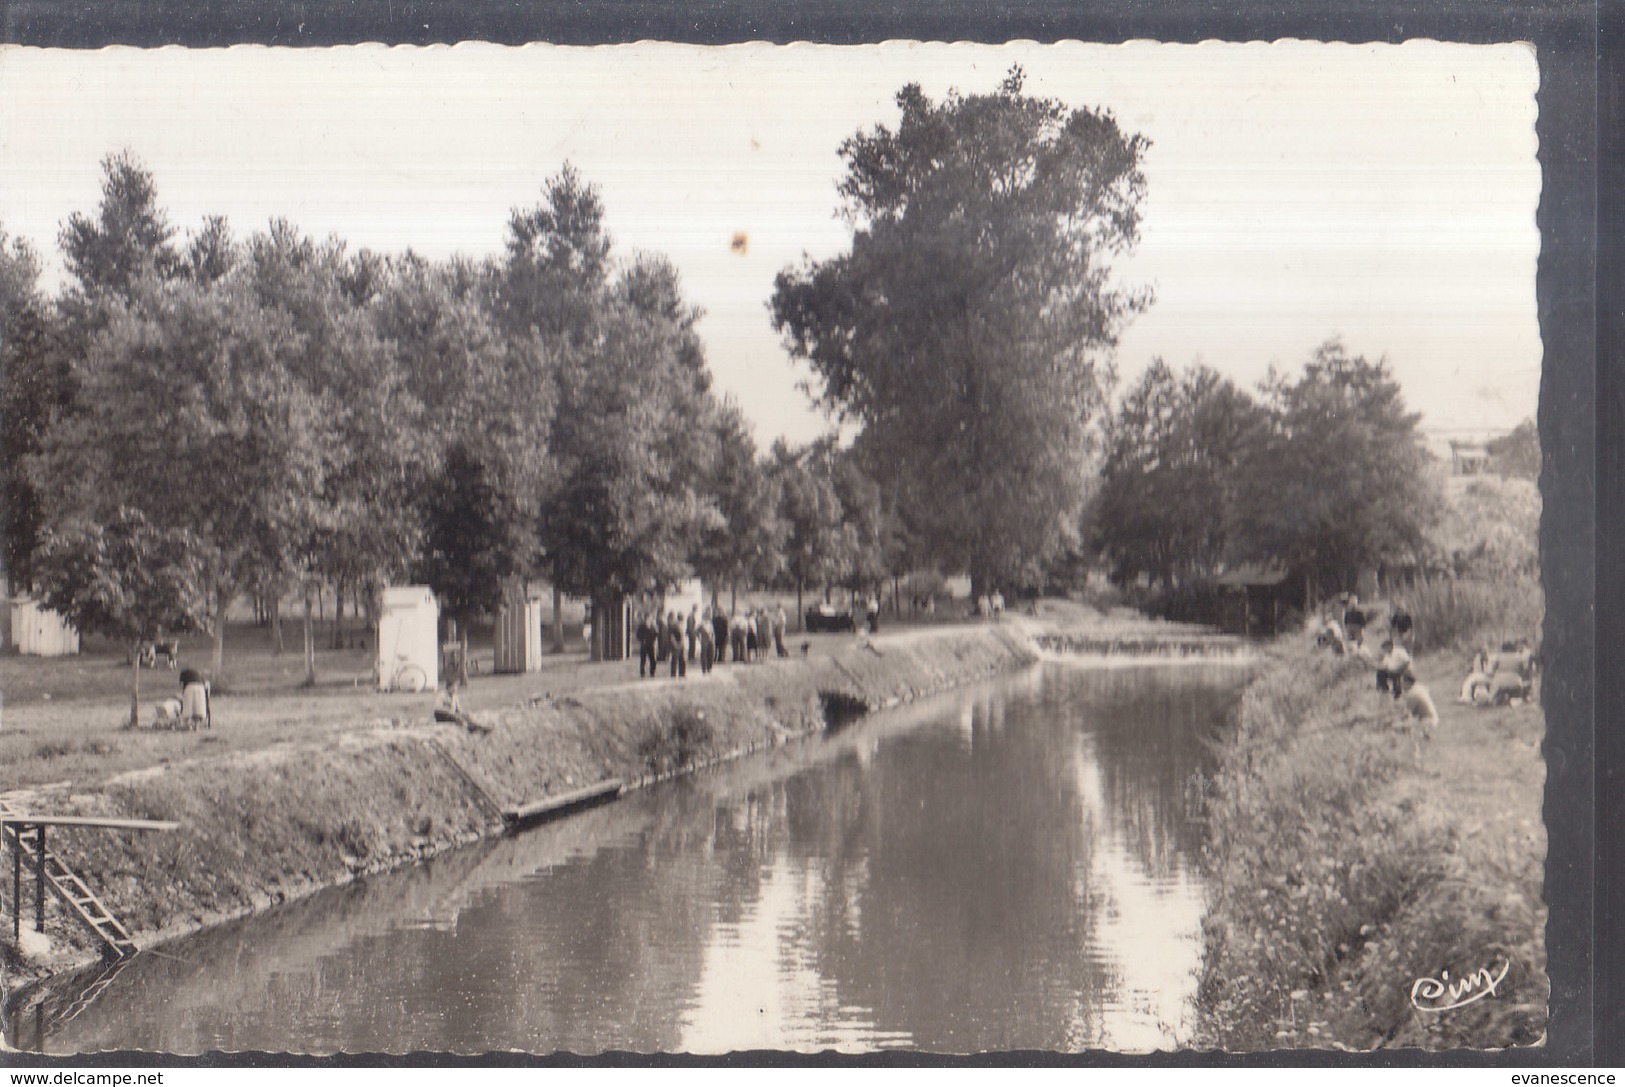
{"points": [[1257, 599], [1468, 458]]}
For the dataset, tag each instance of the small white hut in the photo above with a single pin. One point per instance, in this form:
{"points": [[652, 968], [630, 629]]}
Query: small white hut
{"points": [[519, 628], [408, 639], [40, 632]]}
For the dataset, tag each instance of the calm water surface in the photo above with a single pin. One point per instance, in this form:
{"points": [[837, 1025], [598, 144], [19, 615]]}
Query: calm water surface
{"points": [[1011, 866]]}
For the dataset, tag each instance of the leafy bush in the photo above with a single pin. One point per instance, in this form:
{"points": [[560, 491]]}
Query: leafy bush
{"points": [[1327, 898], [1460, 614], [677, 741], [1488, 528]]}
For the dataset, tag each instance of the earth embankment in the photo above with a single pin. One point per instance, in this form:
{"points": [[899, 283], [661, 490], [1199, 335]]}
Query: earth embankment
{"points": [[264, 826]]}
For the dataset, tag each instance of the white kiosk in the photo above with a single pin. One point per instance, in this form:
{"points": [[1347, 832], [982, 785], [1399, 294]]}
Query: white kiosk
{"points": [[519, 628], [40, 632], [408, 640]]}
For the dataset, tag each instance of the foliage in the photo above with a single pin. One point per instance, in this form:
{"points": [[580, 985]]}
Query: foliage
{"points": [[747, 544], [128, 579], [630, 443], [1489, 528], [1463, 614], [469, 521], [961, 327], [35, 388], [877, 542], [1327, 898], [1516, 453], [191, 407], [677, 742], [819, 542], [1336, 482], [1170, 473], [129, 240], [470, 392]]}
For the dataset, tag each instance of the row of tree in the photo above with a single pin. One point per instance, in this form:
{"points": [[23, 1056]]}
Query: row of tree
{"points": [[1323, 475], [189, 420], [278, 410]]}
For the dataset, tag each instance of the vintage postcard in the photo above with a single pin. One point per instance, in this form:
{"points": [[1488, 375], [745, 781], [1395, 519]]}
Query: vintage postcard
{"points": [[1073, 510]]}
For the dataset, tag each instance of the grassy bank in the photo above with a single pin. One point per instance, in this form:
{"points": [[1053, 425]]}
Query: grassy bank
{"points": [[1351, 860], [275, 821]]}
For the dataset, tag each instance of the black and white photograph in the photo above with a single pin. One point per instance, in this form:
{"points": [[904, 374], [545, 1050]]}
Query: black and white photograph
{"points": [[943, 548]]}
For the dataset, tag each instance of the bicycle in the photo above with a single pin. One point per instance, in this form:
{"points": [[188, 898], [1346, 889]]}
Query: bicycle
{"points": [[407, 676]]}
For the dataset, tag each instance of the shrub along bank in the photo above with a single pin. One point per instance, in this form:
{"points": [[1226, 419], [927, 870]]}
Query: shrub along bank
{"points": [[1352, 864], [261, 827]]}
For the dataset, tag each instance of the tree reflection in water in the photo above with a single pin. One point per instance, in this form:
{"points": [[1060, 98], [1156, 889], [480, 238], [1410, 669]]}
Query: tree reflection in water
{"points": [[1010, 866]]}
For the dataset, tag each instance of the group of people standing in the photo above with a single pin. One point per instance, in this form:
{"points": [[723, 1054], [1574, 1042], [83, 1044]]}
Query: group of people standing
{"points": [[990, 606], [707, 637]]}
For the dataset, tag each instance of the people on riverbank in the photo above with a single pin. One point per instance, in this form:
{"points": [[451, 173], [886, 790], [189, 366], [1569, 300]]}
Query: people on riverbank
{"points": [[780, 622], [648, 632], [708, 646], [719, 634], [1399, 623], [674, 646], [1394, 669], [195, 701], [1500, 678]]}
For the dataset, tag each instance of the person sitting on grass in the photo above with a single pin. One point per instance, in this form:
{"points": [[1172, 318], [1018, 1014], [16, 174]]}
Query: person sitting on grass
{"points": [[1399, 623], [1329, 633], [1394, 670], [1354, 620], [1480, 679], [1419, 709]]}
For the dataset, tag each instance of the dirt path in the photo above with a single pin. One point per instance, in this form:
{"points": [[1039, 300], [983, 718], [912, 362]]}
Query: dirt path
{"points": [[1482, 776]]}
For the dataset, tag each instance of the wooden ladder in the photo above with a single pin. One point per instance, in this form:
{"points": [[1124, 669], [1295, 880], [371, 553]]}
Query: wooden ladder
{"points": [[80, 900]]}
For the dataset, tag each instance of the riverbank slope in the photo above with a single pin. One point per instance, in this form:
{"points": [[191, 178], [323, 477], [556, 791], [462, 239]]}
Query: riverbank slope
{"points": [[1355, 864], [262, 826]]}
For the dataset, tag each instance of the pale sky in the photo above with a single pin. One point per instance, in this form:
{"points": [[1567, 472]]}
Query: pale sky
{"points": [[1295, 191]]}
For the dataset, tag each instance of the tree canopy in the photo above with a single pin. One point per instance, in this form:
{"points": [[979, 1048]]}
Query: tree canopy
{"points": [[36, 388], [1170, 473], [1336, 480], [127, 579], [966, 325]]}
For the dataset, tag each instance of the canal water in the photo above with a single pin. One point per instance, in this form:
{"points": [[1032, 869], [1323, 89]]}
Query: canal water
{"points": [[1010, 866]]}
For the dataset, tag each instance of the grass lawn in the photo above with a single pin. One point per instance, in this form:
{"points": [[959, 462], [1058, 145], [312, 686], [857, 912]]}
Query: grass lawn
{"points": [[64, 718]]}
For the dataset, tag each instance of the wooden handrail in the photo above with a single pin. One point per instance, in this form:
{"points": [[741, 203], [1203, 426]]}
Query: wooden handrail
{"points": [[14, 819]]}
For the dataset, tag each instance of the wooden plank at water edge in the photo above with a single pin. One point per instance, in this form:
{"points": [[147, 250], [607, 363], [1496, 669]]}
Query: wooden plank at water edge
{"points": [[16, 819], [552, 805]]}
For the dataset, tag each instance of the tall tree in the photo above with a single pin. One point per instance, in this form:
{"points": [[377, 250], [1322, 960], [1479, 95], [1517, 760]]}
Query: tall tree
{"points": [[468, 520], [874, 543], [192, 413], [1336, 482], [1170, 467], [127, 579], [745, 546], [363, 528], [35, 388], [629, 443], [630, 507], [964, 328], [129, 238], [819, 542]]}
